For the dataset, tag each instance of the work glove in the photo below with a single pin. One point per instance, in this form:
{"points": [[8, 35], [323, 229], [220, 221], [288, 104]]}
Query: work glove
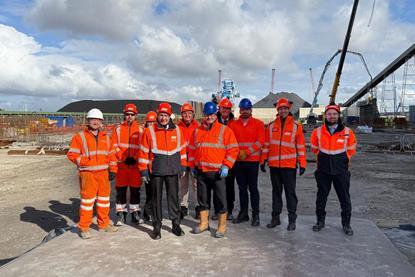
{"points": [[302, 170], [242, 155], [130, 161], [263, 165], [111, 176], [224, 171], [145, 179]]}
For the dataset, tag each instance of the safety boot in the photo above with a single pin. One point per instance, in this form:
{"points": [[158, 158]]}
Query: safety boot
{"points": [[255, 219], [203, 223], [220, 232], [275, 221], [320, 223], [85, 234], [156, 234], [109, 229], [242, 216], [347, 229], [177, 230], [121, 218], [291, 222], [136, 217], [183, 212]]}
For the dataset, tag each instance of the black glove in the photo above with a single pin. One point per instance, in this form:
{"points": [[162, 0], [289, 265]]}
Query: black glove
{"points": [[130, 161], [111, 176], [262, 166], [302, 170]]}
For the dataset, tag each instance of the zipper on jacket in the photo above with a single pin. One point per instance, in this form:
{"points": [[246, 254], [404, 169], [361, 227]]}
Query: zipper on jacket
{"points": [[129, 152], [282, 131]]}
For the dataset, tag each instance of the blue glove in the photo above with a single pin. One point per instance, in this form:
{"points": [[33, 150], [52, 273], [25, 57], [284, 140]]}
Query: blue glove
{"points": [[224, 170], [193, 171]]}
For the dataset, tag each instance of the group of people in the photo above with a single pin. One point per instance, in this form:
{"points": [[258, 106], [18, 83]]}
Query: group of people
{"points": [[197, 159]]}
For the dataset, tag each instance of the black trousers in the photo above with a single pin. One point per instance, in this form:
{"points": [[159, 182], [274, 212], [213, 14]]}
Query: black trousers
{"points": [[206, 183], [148, 205], [230, 192], [284, 179], [341, 183], [247, 178], [121, 197], [173, 206]]}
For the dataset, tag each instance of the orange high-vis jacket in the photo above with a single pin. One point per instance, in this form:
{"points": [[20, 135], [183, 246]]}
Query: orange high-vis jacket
{"points": [[188, 131], [92, 153], [126, 139], [333, 150], [162, 151], [284, 147], [250, 137], [210, 149]]}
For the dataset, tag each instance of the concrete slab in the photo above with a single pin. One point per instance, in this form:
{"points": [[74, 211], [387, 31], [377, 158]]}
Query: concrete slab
{"points": [[246, 251]]}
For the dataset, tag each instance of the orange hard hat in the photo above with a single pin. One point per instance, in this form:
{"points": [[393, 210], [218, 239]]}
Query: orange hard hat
{"points": [[332, 106], [151, 116], [164, 108], [130, 108], [186, 107], [225, 103], [283, 102]]}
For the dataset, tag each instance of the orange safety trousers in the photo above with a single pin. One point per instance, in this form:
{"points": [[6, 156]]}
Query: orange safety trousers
{"points": [[94, 186]]}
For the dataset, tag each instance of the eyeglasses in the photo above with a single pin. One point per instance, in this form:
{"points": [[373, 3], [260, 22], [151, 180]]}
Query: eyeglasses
{"points": [[129, 114]]}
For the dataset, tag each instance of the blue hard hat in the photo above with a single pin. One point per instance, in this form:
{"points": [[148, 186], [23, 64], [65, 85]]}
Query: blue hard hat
{"points": [[210, 108], [245, 104]]}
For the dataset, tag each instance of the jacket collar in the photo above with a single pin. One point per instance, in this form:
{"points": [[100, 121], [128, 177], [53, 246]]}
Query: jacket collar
{"points": [[170, 126], [340, 126]]}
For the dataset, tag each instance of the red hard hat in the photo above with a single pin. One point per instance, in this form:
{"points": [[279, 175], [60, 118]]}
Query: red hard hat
{"points": [[186, 107], [283, 102], [130, 108], [332, 106], [225, 103], [164, 108], [151, 116]]}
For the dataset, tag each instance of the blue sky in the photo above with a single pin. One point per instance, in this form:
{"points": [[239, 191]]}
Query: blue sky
{"points": [[60, 51]]}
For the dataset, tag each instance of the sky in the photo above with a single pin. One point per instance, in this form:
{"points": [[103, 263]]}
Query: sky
{"points": [[53, 52]]}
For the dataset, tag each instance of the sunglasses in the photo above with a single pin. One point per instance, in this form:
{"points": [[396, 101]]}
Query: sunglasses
{"points": [[129, 114]]}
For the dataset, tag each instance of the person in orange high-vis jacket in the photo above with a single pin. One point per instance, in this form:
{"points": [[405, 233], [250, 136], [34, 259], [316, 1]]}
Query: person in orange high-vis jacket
{"points": [[212, 152], [91, 150], [188, 124], [250, 134], [334, 144], [126, 139], [162, 159], [284, 151]]}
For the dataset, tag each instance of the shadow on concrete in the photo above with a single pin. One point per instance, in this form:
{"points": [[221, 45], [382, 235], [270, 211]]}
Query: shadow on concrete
{"points": [[46, 220], [71, 210]]}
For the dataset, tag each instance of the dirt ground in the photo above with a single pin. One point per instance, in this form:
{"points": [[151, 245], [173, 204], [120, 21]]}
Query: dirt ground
{"points": [[41, 193]]}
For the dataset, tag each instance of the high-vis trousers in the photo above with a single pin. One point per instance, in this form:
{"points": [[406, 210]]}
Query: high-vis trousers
{"points": [[188, 184], [95, 186], [121, 199]]}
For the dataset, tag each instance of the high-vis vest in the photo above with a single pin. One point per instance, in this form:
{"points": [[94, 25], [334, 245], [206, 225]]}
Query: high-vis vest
{"points": [[126, 140], [284, 146], [210, 149], [333, 150], [188, 131], [250, 137], [162, 151], [92, 153]]}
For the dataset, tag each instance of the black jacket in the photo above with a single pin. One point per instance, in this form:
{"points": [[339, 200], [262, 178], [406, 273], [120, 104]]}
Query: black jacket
{"points": [[231, 116], [333, 164]]}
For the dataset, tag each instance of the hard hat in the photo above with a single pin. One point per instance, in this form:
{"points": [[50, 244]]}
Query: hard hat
{"points": [[95, 113], [245, 104], [186, 107], [332, 106], [164, 108], [210, 108], [283, 102], [225, 103], [130, 108], [151, 116]]}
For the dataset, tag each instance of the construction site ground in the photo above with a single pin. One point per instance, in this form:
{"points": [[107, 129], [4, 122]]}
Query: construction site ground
{"points": [[41, 193]]}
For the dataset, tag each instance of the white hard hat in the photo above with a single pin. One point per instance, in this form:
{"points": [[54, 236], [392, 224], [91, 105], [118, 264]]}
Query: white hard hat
{"points": [[95, 113]]}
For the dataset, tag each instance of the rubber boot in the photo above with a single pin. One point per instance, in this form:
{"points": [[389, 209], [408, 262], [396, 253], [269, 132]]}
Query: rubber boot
{"points": [[320, 223], [347, 229], [177, 230], [242, 216], [203, 223], [275, 221], [220, 232], [255, 219]]}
